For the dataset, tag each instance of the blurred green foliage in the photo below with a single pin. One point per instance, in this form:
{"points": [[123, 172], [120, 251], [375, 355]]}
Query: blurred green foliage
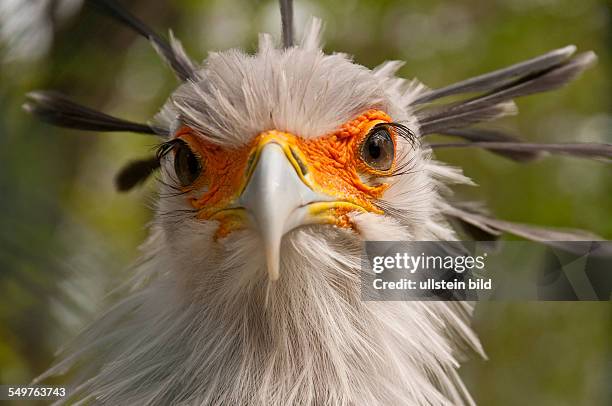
{"points": [[66, 236]]}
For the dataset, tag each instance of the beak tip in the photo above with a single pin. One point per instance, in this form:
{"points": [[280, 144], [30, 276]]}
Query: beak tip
{"points": [[273, 271]]}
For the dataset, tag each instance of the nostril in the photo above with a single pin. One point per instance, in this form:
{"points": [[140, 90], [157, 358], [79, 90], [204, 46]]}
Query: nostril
{"points": [[250, 163], [301, 164]]}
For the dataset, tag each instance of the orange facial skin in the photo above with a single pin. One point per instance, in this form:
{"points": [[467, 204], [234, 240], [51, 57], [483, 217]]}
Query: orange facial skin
{"points": [[329, 164]]}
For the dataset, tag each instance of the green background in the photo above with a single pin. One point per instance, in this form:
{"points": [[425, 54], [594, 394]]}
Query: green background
{"points": [[66, 237]]}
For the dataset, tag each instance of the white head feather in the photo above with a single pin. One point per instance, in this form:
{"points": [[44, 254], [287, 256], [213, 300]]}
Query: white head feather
{"points": [[203, 325]]}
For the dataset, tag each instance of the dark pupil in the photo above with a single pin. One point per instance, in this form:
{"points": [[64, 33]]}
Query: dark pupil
{"points": [[192, 164], [187, 165], [378, 150], [374, 147]]}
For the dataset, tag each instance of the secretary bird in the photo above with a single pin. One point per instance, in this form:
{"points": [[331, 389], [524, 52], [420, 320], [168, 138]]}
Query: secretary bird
{"points": [[274, 168]]}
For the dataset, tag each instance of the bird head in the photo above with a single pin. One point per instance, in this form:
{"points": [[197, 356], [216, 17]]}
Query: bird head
{"points": [[285, 142], [274, 168]]}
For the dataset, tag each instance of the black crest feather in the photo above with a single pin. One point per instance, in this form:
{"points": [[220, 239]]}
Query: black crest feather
{"points": [[493, 227], [497, 78], [56, 109], [483, 135], [286, 10], [523, 151], [135, 173], [172, 52], [500, 89], [439, 120]]}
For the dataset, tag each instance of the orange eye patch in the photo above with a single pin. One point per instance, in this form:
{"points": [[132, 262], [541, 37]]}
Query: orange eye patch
{"points": [[336, 161], [331, 164]]}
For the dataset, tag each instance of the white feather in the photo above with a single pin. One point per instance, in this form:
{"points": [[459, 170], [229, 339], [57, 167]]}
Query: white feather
{"points": [[203, 325]]}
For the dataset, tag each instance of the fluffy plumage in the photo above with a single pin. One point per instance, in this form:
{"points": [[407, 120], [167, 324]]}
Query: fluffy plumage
{"points": [[205, 326], [202, 324], [299, 90]]}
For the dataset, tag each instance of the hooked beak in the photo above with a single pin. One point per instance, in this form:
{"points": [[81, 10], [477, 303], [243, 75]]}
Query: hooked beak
{"points": [[277, 201]]}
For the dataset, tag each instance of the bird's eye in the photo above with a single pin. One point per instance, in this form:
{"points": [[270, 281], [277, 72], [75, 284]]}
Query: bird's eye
{"points": [[378, 150], [187, 165]]}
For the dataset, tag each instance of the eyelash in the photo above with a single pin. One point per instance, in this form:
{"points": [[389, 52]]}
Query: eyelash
{"points": [[398, 128], [161, 151], [405, 165], [165, 147], [401, 130]]}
